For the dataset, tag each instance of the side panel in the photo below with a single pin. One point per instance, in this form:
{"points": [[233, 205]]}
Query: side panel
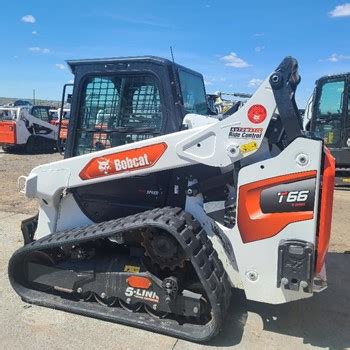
{"points": [[8, 133], [267, 206], [257, 237]]}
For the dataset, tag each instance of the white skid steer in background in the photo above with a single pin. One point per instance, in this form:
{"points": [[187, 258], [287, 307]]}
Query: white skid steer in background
{"points": [[27, 127]]}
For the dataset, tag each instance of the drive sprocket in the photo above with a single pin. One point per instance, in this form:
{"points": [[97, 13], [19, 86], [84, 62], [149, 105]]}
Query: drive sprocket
{"points": [[163, 249]]}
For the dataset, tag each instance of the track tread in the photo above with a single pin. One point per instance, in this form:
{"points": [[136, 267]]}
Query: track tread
{"points": [[183, 227]]}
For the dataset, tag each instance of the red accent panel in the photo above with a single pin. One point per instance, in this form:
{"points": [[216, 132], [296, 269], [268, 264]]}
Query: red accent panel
{"points": [[8, 133], [138, 282], [64, 129], [253, 224], [326, 207]]}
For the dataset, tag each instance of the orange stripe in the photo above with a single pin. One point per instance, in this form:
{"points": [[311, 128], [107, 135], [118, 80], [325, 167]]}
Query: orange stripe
{"points": [[326, 207]]}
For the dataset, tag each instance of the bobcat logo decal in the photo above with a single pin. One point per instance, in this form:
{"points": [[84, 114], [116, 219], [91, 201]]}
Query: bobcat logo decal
{"points": [[126, 161], [104, 166]]}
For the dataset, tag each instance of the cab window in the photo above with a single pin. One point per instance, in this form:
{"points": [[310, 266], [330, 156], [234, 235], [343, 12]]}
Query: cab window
{"points": [[193, 93], [41, 113], [331, 99], [329, 113], [117, 110]]}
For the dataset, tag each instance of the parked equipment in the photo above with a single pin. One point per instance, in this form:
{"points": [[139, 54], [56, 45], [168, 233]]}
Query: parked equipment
{"points": [[169, 212], [219, 105], [328, 116], [27, 127], [61, 116]]}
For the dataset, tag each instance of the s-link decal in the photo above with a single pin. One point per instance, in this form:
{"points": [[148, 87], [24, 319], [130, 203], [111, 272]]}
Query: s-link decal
{"points": [[143, 294]]}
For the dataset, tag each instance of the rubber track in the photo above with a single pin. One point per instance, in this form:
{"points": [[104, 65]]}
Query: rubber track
{"points": [[176, 222]]}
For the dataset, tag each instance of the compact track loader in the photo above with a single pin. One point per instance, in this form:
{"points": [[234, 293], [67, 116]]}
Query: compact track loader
{"points": [[28, 128], [327, 115], [154, 214], [60, 118]]}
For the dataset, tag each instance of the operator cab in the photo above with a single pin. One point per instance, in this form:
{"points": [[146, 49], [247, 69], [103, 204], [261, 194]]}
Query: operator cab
{"points": [[328, 115], [122, 100]]}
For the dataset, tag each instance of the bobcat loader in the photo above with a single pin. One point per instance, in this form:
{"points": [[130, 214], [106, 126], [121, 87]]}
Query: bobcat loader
{"points": [[27, 127], [327, 115], [60, 118], [154, 227]]}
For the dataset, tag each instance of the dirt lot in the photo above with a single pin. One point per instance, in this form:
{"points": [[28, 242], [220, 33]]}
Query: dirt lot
{"points": [[323, 321]]}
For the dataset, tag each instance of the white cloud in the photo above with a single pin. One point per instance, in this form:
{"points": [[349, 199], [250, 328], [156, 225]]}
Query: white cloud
{"points": [[336, 58], [39, 50], [232, 60], [71, 81], [259, 34], [28, 19], [60, 66], [214, 80], [254, 82], [34, 32], [141, 20], [341, 10], [259, 48]]}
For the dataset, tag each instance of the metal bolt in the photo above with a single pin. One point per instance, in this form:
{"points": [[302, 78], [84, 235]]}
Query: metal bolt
{"points": [[302, 159], [284, 281], [103, 295], [233, 150], [252, 275], [275, 78], [303, 284], [154, 306], [79, 290], [195, 310], [128, 300]]}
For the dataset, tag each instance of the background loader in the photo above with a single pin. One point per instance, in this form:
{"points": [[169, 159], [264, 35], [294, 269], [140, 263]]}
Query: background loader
{"points": [[27, 127], [60, 118], [328, 116], [159, 209]]}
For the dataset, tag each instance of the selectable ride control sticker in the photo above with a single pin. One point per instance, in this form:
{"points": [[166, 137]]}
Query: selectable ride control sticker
{"points": [[125, 161]]}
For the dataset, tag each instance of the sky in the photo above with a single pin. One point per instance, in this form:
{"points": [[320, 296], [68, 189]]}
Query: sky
{"points": [[234, 44]]}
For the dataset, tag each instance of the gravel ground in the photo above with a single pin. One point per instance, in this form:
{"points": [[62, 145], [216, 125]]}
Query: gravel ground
{"points": [[322, 321]]}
